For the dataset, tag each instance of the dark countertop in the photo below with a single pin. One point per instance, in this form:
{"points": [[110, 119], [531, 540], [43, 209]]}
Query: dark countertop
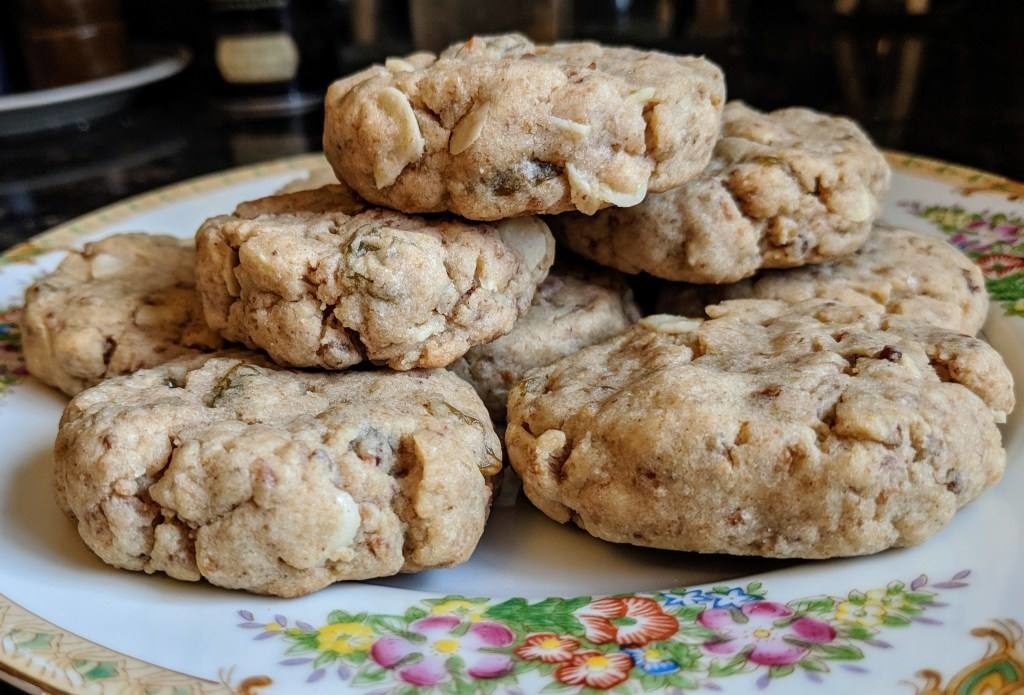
{"points": [[949, 85]]}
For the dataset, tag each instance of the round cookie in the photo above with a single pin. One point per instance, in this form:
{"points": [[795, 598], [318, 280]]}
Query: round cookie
{"points": [[572, 309], [907, 273], [811, 430], [783, 189], [328, 283], [278, 482], [498, 127], [122, 303]]}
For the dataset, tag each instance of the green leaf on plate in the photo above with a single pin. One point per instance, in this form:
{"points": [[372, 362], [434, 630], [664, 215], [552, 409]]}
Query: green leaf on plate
{"points": [[33, 640], [94, 670], [413, 613], [549, 615], [812, 664], [843, 652], [339, 616], [325, 658], [369, 674]]}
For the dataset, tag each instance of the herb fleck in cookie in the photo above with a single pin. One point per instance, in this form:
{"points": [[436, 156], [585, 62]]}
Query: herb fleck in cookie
{"points": [[810, 430], [911, 274], [572, 309], [278, 482], [783, 189], [498, 127], [316, 279], [122, 303]]}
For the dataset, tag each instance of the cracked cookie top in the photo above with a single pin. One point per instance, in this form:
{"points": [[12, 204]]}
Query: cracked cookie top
{"points": [[281, 482], [498, 126], [907, 273], [810, 430], [120, 304], [783, 189], [316, 279], [573, 308]]}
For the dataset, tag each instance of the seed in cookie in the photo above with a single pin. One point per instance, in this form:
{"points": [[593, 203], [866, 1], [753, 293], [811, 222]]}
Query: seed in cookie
{"points": [[830, 429], [498, 127], [907, 273], [783, 189], [317, 279], [573, 308], [122, 303], [279, 482]]}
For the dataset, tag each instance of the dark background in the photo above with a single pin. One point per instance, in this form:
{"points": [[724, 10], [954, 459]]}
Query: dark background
{"points": [[948, 83]]}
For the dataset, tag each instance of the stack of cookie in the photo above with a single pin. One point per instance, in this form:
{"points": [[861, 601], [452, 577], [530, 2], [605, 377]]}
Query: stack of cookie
{"points": [[270, 410]]}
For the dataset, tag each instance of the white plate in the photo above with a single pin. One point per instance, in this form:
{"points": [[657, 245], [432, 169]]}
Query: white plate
{"points": [[70, 623], [40, 109]]}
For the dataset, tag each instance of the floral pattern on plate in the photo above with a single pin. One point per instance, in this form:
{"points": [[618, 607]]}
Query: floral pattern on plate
{"points": [[685, 639], [991, 239], [12, 363]]}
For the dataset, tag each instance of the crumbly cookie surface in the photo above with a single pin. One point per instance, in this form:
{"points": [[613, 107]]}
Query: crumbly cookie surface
{"points": [[120, 304], [498, 127], [278, 482], [573, 308], [328, 283], [812, 430], [908, 273], [783, 189]]}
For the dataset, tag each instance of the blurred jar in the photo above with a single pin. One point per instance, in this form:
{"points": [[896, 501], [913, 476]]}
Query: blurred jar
{"points": [[273, 57], [69, 41]]}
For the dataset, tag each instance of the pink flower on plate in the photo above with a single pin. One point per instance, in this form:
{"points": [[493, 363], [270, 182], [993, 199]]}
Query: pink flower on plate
{"points": [[761, 633], [423, 663]]}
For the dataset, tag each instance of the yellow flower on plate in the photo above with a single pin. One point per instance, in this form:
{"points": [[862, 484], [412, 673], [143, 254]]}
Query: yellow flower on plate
{"points": [[457, 606], [344, 638], [866, 614]]}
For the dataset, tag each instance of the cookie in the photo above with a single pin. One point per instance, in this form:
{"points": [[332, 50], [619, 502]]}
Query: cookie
{"points": [[783, 189], [498, 127], [911, 274], [808, 430], [122, 303], [277, 482], [325, 282], [572, 309]]}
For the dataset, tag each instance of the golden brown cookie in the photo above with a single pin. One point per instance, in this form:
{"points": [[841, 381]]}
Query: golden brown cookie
{"points": [[280, 482], [807, 430], [498, 127]]}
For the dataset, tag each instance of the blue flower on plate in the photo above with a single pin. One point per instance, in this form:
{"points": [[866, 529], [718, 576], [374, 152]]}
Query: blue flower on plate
{"points": [[733, 598], [652, 660]]}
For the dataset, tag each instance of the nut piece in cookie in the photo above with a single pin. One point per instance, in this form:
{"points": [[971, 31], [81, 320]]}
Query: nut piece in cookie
{"points": [[498, 127], [278, 482], [907, 273], [123, 303], [317, 279], [783, 189], [573, 308], [808, 430]]}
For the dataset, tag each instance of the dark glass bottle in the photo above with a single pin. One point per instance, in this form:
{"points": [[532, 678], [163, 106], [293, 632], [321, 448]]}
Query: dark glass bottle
{"points": [[273, 57]]}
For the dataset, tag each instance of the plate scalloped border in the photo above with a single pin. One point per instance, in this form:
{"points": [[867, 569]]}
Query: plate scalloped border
{"points": [[40, 654]]}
